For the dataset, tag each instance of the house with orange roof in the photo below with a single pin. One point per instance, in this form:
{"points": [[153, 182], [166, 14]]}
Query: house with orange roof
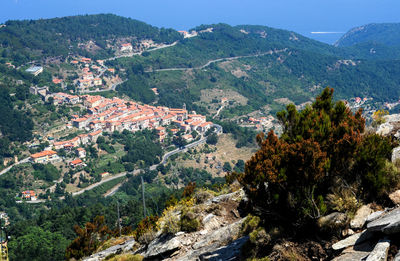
{"points": [[204, 126], [104, 174], [93, 136], [97, 81], [29, 195], [77, 163], [126, 47], [80, 153], [83, 139], [166, 120], [86, 60], [44, 156], [197, 117], [188, 137], [174, 131], [80, 123], [57, 81]]}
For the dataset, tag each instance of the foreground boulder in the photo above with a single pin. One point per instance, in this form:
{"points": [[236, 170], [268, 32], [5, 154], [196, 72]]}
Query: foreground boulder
{"points": [[353, 240], [388, 223], [361, 217], [380, 252]]}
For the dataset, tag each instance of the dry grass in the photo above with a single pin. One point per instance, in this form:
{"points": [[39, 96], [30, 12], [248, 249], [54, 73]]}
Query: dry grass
{"points": [[226, 152], [126, 257]]}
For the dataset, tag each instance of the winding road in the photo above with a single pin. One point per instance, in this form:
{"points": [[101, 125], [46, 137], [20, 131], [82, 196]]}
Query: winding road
{"points": [[218, 130], [217, 60]]}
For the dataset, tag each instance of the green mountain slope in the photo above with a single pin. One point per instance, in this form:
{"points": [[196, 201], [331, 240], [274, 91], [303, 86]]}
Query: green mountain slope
{"points": [[262, 64], [32, 39], [385, 33]]}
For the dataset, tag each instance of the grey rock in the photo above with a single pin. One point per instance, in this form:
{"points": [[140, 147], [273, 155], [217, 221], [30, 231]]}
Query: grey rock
{"points": [[396, 154], [395, 196], [164, 245], [397, 257], [374, 216], [380, 252], [347, 232], [361, 216], [352, 240], [222, 236], [389, 223], [230, 252], [356, 253], [384, 129], [122, 248], [353, 256], [237, 195]]}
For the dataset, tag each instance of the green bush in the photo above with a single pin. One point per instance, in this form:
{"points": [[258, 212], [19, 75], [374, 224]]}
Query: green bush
{"points": [[189, 222], [321, 148]]}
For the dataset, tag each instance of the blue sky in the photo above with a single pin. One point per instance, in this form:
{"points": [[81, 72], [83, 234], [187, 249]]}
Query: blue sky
{"points": [[302, 16]]}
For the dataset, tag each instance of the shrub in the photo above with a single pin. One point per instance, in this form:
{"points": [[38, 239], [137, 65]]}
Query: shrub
{"points": [[144, 232], [289, 178], [189, 222], [170, 223]]}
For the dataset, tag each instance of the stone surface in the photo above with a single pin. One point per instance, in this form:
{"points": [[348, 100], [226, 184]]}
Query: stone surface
{"points": [[356, 253], [163, 245], [347, 232], [375, 216], [361, 217], [380, 252], [397, 257], [236, 196], [384, 129], [332, 220], [395, 154], [352, 240], [223, 235], [230, 252], [395, 196], [388, 223], [121, 248]]}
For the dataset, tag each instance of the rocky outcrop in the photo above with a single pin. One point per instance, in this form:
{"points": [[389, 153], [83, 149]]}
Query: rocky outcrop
{"points": [[395, 196], [357, 246], [361, 217], [388, 223], [380, 252], [352, 240], [118, 249]]}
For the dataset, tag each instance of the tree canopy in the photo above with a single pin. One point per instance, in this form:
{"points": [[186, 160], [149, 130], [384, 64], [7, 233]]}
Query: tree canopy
{"points": [[322, 147]]}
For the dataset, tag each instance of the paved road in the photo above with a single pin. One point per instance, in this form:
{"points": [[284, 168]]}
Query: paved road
{"points": [[4, 171], [217, 60], [139, 53], [219, 110]]}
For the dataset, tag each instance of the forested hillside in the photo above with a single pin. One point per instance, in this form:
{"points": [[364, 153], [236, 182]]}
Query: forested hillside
{"points": [[30, 39], [385, 33]]}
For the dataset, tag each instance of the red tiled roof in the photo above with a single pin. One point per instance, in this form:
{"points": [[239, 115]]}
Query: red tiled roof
{"points": [[43, 154]]}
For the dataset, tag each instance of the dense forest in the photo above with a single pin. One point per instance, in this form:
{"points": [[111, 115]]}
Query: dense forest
{"points": [[22, 41]]}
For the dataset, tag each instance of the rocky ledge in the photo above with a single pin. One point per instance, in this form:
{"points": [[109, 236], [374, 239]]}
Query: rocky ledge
{"points": [[379, 239]]}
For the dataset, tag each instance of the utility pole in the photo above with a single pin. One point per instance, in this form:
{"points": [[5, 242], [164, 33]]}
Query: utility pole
{"points": [[119, 219], [144, 200]]}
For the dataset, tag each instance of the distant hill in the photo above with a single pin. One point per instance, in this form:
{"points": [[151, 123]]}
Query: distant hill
{"points": [[378, 34], [30, 39]]}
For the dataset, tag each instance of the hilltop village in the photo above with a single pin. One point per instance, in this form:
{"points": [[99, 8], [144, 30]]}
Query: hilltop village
{"points": [[116, 114]]}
